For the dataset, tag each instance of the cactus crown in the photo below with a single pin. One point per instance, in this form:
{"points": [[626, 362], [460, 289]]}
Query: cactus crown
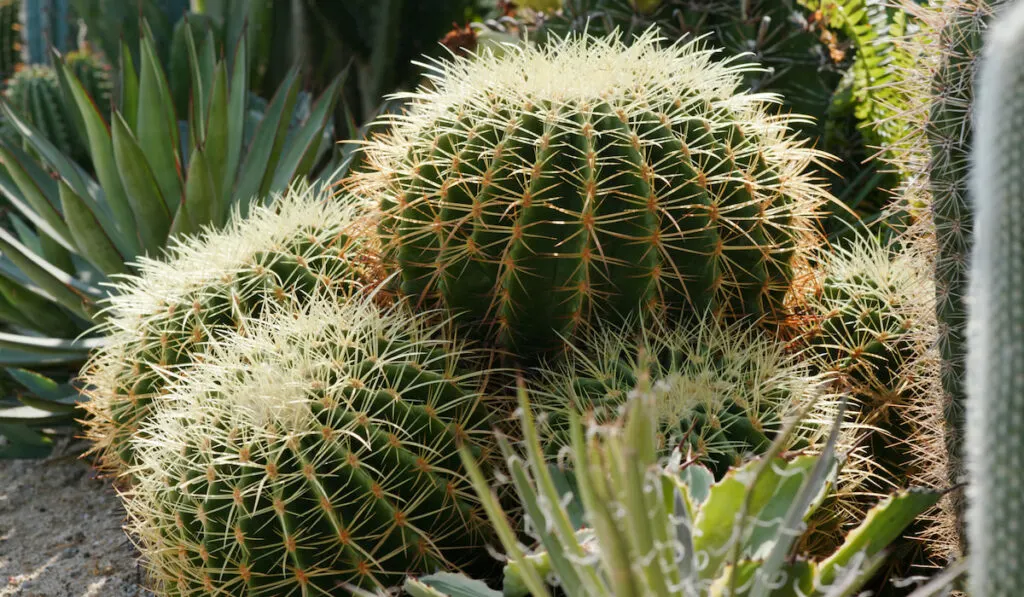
{"points": [[723, 390], [315, 452], [159, 319], [548, 187]]}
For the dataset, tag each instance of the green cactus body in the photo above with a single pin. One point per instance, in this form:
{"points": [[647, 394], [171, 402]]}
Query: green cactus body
{"points": [[34, 92], [723, 391], [45, 24], [950, 137], [995, 396], [161, 318], [10, 38], [94, 76], [317, 451], [588, 181]]}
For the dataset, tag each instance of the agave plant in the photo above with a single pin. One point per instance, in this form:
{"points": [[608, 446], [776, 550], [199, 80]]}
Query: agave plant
{"points": [[157, 175], [666, 528]]}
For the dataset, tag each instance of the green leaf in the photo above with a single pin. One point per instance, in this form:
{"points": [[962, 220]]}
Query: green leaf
{"points": [[446, 584], [89, 237], [265, 147], [200, 198], [156, 127], [41, 314], [698, 480], [38, 190], [236, 117], [302, 146], [67, 405], [151, 213], [46, 345], [882, 525], [216, 136], [23, 442], [30, 415], [17, 358], [101, 152], [129, 88], [40, 385], [57, 283]]}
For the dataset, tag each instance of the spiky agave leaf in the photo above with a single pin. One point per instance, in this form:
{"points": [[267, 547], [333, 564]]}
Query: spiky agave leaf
{"points": [[724, 390], [161, 318], [317, 451], [551, 186]]}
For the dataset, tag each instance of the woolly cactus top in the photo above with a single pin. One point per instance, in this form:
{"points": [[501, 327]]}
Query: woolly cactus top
{"points": [[546, 187], [318, 450]]}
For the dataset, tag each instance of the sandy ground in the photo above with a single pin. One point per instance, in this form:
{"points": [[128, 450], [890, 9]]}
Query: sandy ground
{"points": [[60, 533]]}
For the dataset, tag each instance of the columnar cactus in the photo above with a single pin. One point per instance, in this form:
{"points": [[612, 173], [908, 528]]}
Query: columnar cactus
{"points": [[34, 92], [160, 319], [546, 188], [315, 453], [724, 391], [950, 137], [10, 38], [94, 76], [995, 403]]}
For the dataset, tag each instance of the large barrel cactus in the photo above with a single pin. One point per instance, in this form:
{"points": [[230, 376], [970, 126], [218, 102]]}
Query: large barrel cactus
{"points": [[995, 402], [205, 288], [317, 453], [546, 188], [724, 391]]}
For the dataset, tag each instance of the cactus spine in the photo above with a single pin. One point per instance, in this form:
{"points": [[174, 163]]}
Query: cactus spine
{"points": [[161, 319], [950, 136], [723, 390], [589, 180], [316, 453], [995, 403]]}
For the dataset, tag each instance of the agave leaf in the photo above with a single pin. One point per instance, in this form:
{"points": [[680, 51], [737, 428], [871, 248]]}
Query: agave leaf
{"points": [[215, 127], [58, 284], [92, 243], [236, 117], [46, 345], [447, 584], [66, 406], [40, 385], [303, 145], [102, 153], [30, 415], [200, 196], [156, 127], [36, 312], [37, 189], [128, 103], [151, 213], [265, 148], [18, 358], [24, 442], [882, 525], [199, 85]]}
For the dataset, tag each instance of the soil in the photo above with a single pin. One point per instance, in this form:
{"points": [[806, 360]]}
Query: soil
{"points": [[60, 533]]}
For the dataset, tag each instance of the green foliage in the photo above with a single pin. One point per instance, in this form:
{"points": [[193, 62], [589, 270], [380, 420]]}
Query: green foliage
{"points": [[164, 317], [590, 180], [158, 175], [10, 38], [95, 77], [315, 453], [724, 391], [995, 358], [664, 528]]}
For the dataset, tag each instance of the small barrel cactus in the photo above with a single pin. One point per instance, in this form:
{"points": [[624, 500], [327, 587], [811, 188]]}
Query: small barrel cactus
{"points": [[547, 188], [317, 453], [723, 391], [163, 317], [995, 397], [34, 92]]}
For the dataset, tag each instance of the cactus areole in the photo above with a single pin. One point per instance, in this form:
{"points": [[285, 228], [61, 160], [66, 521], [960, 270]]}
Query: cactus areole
{"points": [[546, 188]]}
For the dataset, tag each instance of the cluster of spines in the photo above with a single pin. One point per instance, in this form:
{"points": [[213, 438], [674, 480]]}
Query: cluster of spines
{"points": [[724, 391], [589, 179], [317, 453], [159, 320]]}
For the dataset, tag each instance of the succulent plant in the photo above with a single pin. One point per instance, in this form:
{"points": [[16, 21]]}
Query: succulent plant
{"points": [[592, 180], [995, 356], [34, 93], [10, 38], [45, 24], [158, 175], [94, 75], [160, 320], [315, 453], [657, 527], [724, 390]]}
